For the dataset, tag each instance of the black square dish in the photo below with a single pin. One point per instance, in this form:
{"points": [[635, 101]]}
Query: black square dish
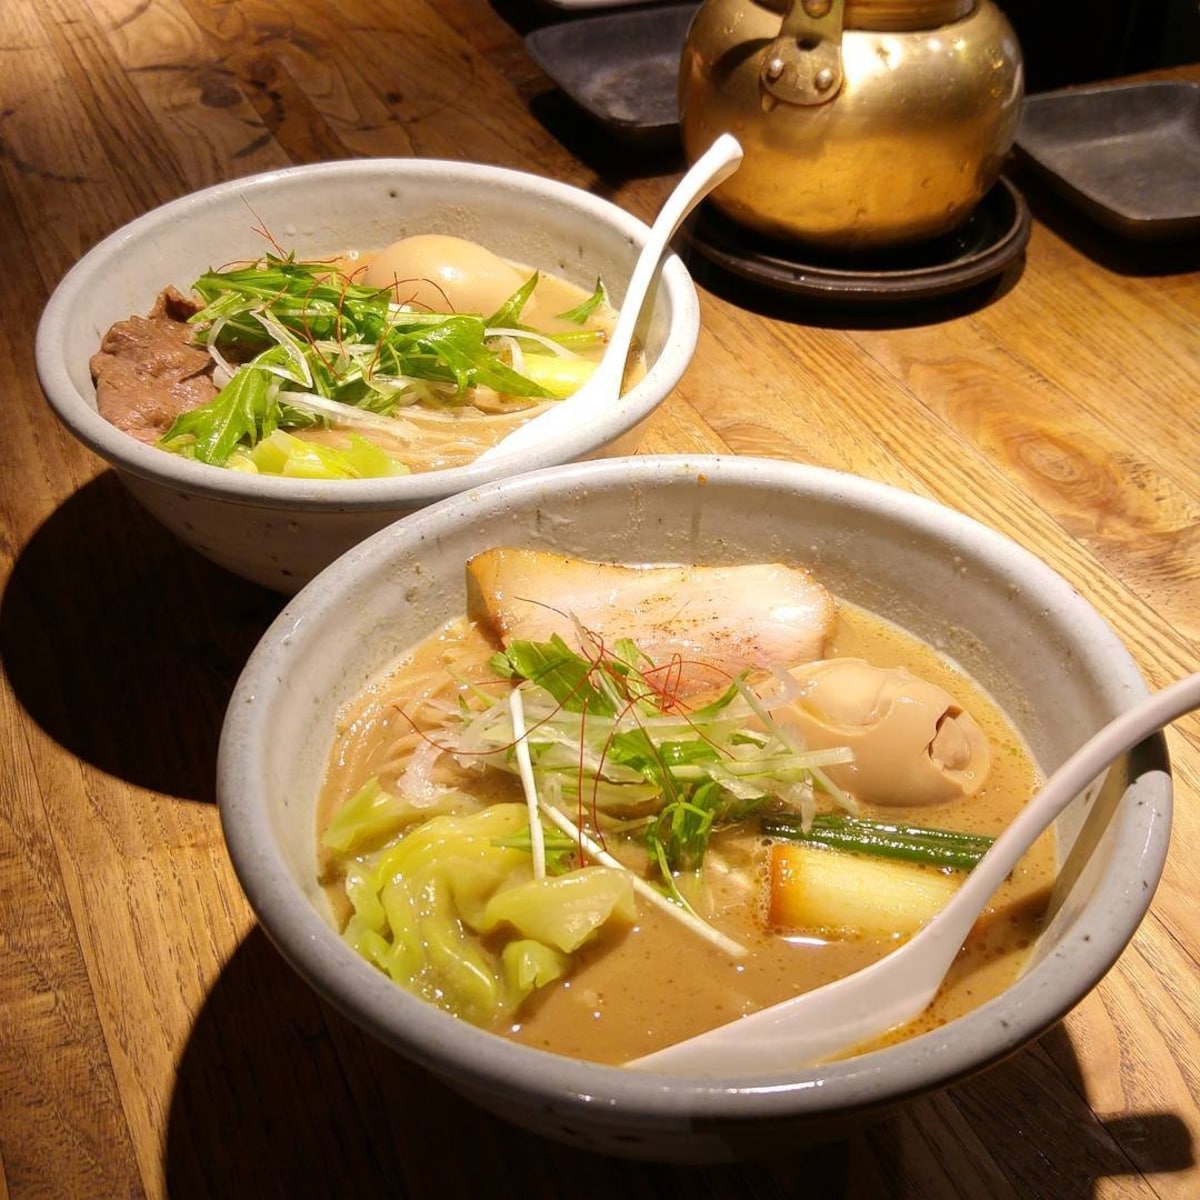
{"points": [[1128, 155], [621, 68]]}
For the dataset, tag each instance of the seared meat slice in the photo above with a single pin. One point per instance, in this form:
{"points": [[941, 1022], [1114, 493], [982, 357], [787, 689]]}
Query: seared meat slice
{"points": [[146, 373], [700, 624]]}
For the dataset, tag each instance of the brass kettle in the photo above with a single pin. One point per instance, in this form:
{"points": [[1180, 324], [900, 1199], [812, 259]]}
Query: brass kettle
{"points": [[865, 123]]}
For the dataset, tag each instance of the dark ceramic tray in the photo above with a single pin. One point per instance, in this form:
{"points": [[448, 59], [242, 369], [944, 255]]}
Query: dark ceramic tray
{"points": [[621, 68], [1127, 155], [992, 237]]}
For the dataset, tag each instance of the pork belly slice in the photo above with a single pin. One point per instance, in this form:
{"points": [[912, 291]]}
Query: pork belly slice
{"points": [[702, 624]]}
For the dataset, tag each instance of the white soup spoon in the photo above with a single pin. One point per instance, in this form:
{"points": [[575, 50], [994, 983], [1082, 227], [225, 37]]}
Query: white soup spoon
{"points": [[603, 387], [897, 988]]}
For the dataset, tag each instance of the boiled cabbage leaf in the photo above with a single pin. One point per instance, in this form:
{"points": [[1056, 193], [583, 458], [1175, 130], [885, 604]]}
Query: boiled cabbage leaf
{"points": [[451, 910], [373, 816]]}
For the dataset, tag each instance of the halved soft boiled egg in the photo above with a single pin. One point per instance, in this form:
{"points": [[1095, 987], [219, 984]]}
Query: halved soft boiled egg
{"points": [[913, 742], [439, 273]]}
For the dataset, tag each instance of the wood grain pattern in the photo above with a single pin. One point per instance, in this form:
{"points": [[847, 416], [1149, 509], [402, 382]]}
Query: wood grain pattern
{"points": [[152, 1042]]}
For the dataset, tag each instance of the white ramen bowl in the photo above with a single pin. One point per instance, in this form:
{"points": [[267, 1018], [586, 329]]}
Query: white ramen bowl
{"points": [[280, 532], [1013, 623]]}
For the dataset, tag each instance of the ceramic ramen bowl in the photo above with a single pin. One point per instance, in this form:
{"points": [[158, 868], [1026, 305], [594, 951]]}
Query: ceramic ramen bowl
{"points": [[277, 531], [1022, 631]]}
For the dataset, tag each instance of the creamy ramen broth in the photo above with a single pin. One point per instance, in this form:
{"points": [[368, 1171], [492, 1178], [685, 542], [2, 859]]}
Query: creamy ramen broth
{"points": [[634, 991]]}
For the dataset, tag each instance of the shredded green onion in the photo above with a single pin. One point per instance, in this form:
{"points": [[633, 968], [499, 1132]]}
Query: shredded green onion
{"points": [[303, 327], [610, 743]]}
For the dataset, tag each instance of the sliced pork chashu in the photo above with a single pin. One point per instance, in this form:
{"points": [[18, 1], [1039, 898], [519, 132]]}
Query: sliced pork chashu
{"points": [[703, 623]]}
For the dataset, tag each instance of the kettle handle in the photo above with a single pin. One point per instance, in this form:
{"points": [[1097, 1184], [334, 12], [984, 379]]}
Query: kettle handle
{"points": [[803, 65]]}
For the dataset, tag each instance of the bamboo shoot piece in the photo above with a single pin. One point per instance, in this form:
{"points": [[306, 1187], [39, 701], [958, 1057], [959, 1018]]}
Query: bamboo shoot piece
{"points": [[833, 894]]}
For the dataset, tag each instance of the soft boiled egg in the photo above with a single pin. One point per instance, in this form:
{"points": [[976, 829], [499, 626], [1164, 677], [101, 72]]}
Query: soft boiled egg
{"points": [[439, 273], [913, 743]]}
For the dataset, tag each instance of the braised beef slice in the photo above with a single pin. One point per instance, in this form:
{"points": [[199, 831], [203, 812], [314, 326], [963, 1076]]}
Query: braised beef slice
{"points": [[146, 373]]}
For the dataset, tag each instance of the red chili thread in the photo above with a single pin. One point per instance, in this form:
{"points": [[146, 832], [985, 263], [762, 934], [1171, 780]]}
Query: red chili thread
{"points": [[668, 699]]}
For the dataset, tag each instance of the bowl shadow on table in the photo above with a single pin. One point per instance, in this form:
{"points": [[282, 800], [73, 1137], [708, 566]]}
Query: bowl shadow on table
{"points": [[278, 1095], [123, 644]]}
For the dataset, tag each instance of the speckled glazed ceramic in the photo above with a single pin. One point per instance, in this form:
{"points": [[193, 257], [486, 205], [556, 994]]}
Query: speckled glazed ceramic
{"points": [[1022, 630], [280, 532]]}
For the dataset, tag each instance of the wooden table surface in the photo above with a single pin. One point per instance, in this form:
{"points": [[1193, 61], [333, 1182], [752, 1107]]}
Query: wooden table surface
{"points": [[151, 1040]]}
